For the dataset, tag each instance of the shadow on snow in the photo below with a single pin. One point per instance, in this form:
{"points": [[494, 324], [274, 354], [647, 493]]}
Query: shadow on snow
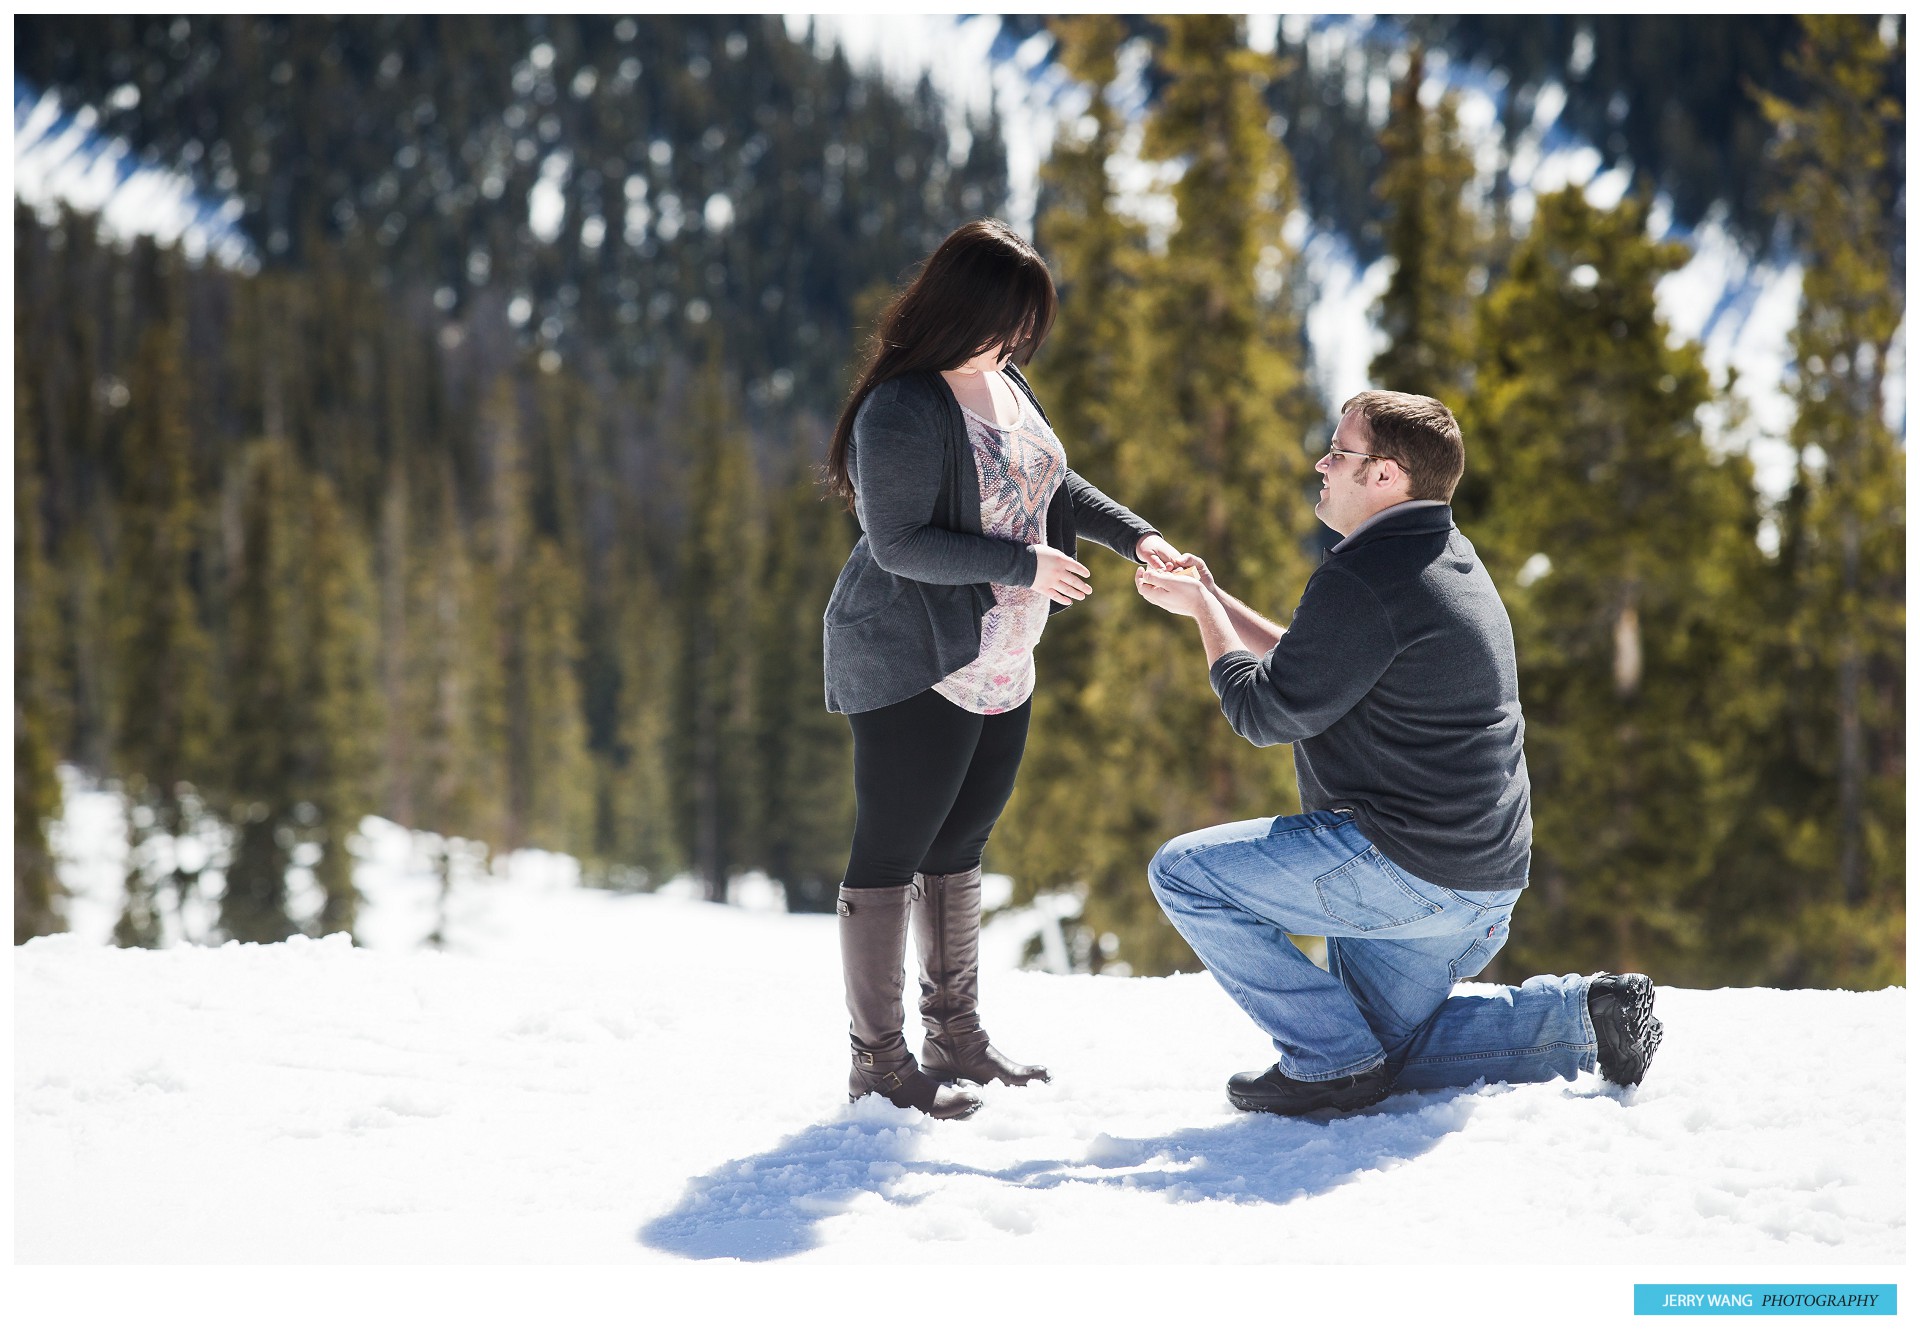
{"points": [[770, 1205]]}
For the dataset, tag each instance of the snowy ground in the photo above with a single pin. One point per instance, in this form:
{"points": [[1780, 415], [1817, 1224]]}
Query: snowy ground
{"points": [[588, 1078]]}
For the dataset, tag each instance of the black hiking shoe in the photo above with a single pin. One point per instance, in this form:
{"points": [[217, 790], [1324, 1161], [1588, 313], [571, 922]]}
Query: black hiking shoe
{"points": [[1621, 1009], [1273, 1091]]}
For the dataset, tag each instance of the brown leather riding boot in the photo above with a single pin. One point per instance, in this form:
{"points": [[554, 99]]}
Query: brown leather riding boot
{"points": [[873, 952], [946, 931]]}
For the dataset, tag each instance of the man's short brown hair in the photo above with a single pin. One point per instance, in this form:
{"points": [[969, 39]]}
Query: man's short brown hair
{"points": [[1417, 432]]}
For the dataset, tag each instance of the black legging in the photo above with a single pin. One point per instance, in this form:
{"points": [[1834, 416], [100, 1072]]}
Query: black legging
{"points": [[930, 779]]}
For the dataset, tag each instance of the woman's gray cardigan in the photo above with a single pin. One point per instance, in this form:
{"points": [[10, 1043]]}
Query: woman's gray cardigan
{"points": [[906, 611]]}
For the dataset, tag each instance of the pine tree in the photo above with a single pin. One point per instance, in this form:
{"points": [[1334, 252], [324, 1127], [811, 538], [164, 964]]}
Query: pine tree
{"points": [[454, 687], [505, 540], [552, 771], [341, 719], [641, 797], [164, 716], [399, 647], [1212, 456], [501, 540], [1626, 554], [1432, 238], [1843, 528], [1086, 377], [805, 820], [62, 273], [537, 588], [265, 670], [37, 893], [713, 726], [86, 584]]}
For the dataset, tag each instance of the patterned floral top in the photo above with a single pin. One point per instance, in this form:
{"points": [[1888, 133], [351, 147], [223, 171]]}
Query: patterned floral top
{"points": [[1020, 466]]}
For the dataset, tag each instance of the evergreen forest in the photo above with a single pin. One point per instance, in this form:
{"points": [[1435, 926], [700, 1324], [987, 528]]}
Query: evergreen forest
{"points": [[485, 497]]}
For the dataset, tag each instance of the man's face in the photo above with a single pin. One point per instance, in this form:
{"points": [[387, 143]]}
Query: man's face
{"points": [[1350, 487]]}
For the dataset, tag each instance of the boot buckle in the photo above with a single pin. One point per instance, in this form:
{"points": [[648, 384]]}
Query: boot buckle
{"points": [[864, 1059]]}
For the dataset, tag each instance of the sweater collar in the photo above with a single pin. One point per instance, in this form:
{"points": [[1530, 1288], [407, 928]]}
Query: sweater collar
{"points": [[1412, 517]]}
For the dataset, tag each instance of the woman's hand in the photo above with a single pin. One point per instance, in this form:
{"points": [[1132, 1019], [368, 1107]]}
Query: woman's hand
{"points": [[1154, 551], [1061, 579]]}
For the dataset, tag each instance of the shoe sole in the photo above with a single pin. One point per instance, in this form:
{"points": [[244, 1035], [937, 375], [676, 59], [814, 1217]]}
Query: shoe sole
{"points": [[1644, 1032], [975, 1107], [946, 1077], [1648, 1044], [1324, 1103]]}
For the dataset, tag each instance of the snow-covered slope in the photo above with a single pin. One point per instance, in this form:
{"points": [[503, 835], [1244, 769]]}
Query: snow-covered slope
{"points": [[588, 1077], [60, 158]]}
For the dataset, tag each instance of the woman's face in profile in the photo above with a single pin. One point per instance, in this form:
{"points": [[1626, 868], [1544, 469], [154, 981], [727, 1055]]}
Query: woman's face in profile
{"points": [[994, 358]]}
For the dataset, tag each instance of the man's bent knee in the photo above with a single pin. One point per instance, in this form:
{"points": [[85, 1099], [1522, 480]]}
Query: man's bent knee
{"points": [[1160, 869], [1167, 872], [1156, 868]]}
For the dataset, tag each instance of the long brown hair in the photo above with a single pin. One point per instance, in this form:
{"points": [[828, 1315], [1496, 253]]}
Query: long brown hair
{"points": [[984, 287]]}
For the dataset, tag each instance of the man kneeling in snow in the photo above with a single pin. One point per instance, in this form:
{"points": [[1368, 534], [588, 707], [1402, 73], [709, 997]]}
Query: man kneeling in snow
{"points": [[1397, 687]]}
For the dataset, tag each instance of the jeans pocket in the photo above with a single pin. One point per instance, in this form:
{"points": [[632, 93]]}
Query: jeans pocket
{"points": [[1493, 936], [1472, 961], [1366, 894]]}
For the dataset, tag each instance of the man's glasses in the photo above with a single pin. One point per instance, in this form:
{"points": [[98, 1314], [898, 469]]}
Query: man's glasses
{"points": [[1372, 457]]}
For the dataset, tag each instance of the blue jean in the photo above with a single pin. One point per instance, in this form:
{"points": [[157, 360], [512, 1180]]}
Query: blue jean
{"points": [[1396, 944]]}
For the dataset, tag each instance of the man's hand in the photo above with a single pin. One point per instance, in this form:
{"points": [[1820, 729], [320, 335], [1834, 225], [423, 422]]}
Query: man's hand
{"points": [[1174, 590], [1058, 577], [1181, 591], [1154, 551], [1199, 567], [1256, 632]]}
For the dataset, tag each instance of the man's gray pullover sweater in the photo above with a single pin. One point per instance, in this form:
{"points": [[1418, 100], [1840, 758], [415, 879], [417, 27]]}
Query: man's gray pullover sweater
{"points": [[1397, 687]]}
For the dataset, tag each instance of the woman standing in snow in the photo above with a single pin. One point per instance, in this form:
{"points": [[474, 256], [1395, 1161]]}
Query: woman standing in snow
{"points": [[969, 515]]}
